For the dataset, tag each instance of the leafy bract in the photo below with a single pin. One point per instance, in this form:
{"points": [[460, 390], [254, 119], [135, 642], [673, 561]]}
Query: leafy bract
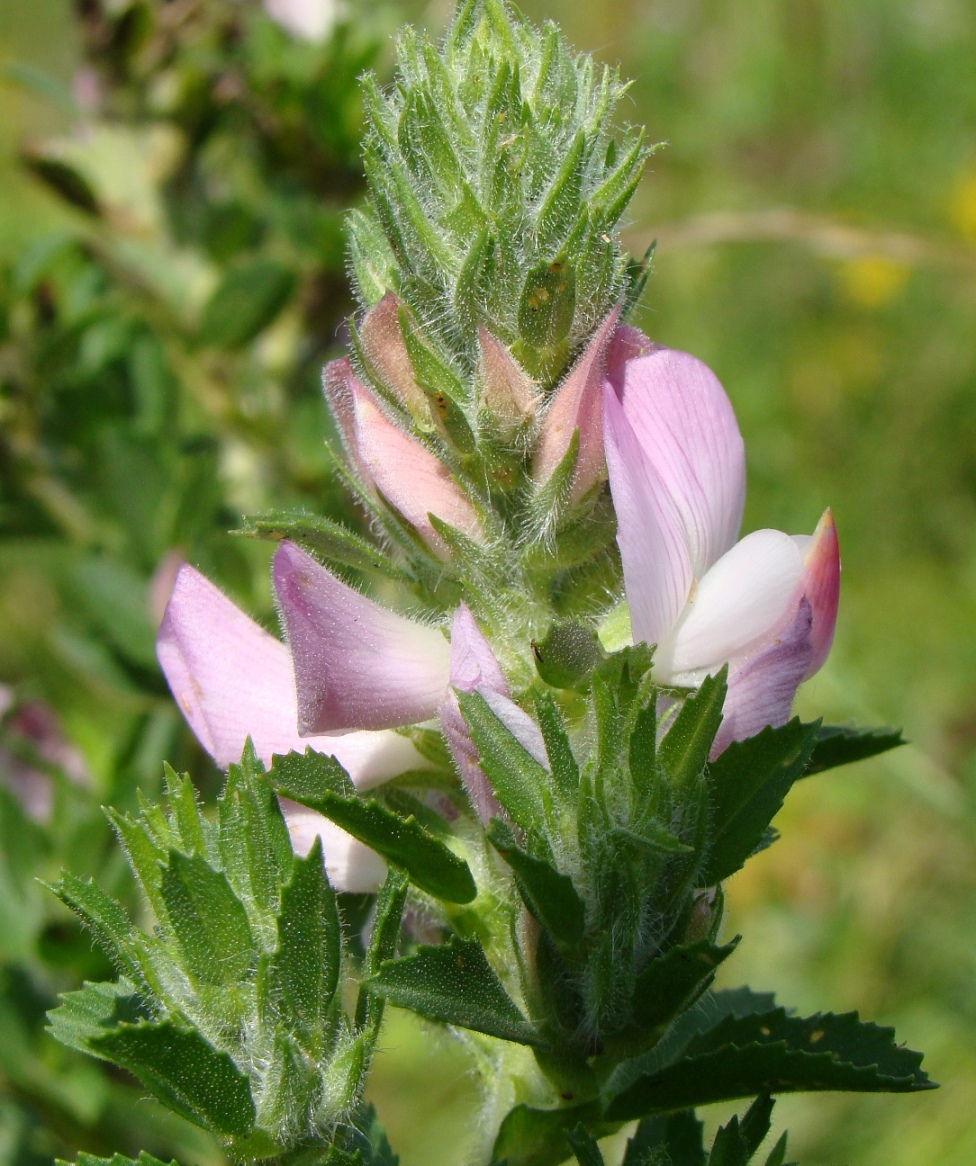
{"points": [[454, 983], [320, 782]]}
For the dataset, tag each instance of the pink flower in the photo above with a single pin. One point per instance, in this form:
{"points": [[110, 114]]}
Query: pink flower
{"points": [[767, 604], [351, 673], [358, 665], [232, 680]]}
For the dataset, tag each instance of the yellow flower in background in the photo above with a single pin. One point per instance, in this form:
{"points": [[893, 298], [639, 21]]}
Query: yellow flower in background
{"points": [[872, 281], [962, 208]]}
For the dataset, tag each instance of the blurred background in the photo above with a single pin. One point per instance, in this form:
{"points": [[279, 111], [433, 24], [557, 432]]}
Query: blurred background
{"points": [[173, 175]]}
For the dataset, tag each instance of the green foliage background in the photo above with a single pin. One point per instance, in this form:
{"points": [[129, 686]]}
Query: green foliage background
{"points": [[816, 219]]}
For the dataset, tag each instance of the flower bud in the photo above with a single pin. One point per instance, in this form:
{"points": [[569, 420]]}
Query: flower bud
{"points": [[381, 338], [578, 404], [508, 394]]}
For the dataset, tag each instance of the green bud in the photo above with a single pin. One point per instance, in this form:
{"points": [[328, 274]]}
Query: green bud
{"points": [[495, 189]]}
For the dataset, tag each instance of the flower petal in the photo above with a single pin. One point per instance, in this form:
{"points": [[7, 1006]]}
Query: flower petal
{"points": [[467, 760], [762, 686], [821, 585], [473, 667], [684, 422], [741, 600], [473, 663], [350, 865], [232, 681], [653, 547], [576, 404], [411, 479], [357, 665]]}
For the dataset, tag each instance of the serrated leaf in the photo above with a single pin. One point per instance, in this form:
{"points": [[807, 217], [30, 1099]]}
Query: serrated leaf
{"points": [[245, 303], [320, 782], [382, 947], [184, 815], [208, 920], [678, 1136], [684, 750], [144, 855], [777, 1155], [323, 536], [845, 744], [454, 983], [93, 1010], [517, 779], [108, 923], [748, 783], [737, 1141], [367, 1138], [307, 962], [144, 1159], [565, 769], [184, 1072], [255, 848], [584, 1146], [772, 1052], [549, 895], [537, 1137], [665, 986]]}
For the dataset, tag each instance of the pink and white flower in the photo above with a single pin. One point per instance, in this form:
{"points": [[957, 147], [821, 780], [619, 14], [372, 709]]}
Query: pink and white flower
{"points": [[767, 604], [351, 673]]}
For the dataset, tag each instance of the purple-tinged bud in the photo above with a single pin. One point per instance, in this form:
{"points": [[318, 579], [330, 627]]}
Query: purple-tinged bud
{"points": [[411, 479], [578, 404], [508, 393], [381, 337]]}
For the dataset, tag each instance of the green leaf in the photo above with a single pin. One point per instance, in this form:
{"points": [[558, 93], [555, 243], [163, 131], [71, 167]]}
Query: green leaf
{"points": [[518, 780], [65, 180], [324, 537], [584, 1146], [254, 845], [320, 782], [307, 962], [549, 895], [108, 923], [845, 744], [771, 1052], [736, 1142], [193, 834], [184, 1072], [547, 303], [382, 947], [665, 986], [144, 1159], [684, 750], [678, 1136], [454, 983], [748, 783], [777, 1155], [93, 1010], [208, 920], [367, 1138], [565, 770], [538, 1137], [245, 303]]}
